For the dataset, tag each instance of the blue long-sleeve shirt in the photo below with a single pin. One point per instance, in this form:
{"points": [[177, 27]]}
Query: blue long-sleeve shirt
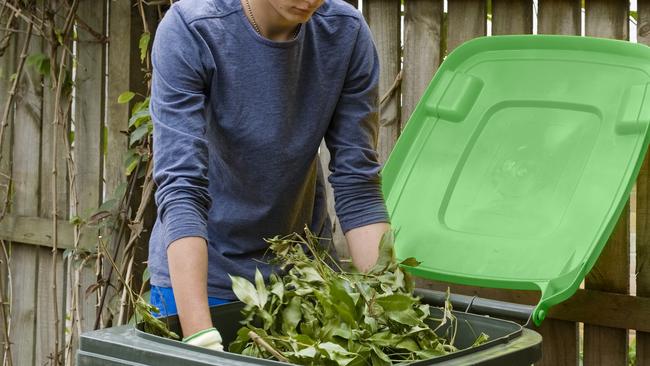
{"points": [[238, 120]]}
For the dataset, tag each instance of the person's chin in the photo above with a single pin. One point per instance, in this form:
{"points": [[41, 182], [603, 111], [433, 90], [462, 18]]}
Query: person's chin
{"points": [[299, 15]]}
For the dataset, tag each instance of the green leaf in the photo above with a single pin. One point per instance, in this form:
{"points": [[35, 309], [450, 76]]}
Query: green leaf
{"points": [[138, 106], [131, 161], [482, 338], [144, 45], [120, 190], [59, 36], [239, 344], [40, 62], [342, 302], [336, 353], [139, 117], [245, 291], [378, 357], [262, 294], [310, 274], [145, 275], [307, 352], [291, 316], [125, 97], [396, 302], [138, 134], [107, 205], [76, 220], [406, 317], [386, 253], [411, 262], [277, 287]]}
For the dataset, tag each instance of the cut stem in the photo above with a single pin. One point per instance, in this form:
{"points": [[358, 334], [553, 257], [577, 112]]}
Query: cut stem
{"points": [[262, 343]]}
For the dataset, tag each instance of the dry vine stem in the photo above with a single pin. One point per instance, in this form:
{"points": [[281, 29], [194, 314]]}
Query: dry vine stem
{"points": [[6, 314], [59, 115]]}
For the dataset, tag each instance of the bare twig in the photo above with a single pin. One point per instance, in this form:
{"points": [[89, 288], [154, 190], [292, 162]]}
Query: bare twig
{"points": [[137, 228], [26, 17], [12, 93], [59, 116], [117, 239], [262, 343], [4, 44], [83, 25], [6, 315], [392, 89]]}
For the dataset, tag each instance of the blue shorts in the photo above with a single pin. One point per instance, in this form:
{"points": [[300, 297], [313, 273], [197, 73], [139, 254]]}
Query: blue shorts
{"points": [[163, 299]]}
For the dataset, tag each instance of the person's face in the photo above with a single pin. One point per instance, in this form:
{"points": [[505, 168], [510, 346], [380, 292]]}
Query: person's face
{"points": [[295, 11]]}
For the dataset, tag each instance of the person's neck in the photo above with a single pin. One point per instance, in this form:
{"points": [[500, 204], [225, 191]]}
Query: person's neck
{"points": [[271, 24]]}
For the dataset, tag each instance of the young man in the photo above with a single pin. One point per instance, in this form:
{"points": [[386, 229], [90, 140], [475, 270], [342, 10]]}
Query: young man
{"points": [[243, 92]]}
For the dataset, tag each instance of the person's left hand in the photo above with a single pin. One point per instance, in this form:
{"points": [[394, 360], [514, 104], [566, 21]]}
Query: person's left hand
{"points": [[208, 338]]}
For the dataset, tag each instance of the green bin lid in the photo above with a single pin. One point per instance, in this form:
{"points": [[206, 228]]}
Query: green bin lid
{"points": [[518, 160]]}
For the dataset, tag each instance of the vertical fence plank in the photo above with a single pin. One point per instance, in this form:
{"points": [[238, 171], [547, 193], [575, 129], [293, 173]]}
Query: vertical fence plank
{"points": [[119, 56], [7, 67], [607, 19], [26, 166], [602, 345], [643, 228], [45, 318], [559, 17], [46, 278], [560, 346], [383, 17], [119, 76], [88, 122], [643, 209], [423, 24], [512, 17], [467, 19]]}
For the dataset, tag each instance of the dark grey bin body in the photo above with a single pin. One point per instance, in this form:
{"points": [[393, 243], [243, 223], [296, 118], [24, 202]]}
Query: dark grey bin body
{"points": [[510, 344]]}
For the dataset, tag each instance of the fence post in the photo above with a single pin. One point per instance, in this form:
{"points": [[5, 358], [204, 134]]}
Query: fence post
{"points": [[88, 118], [602, 345], [512, 17], [383, 17], [643, 210], [7, 67], [422, 32], [25, 201]]}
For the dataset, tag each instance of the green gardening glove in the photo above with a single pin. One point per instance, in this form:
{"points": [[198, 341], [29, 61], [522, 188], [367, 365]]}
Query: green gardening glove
{"points": [[208, 338]]}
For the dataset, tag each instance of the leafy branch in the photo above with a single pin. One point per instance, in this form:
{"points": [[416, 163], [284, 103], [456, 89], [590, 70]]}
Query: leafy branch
{"points": [[318, 314]]}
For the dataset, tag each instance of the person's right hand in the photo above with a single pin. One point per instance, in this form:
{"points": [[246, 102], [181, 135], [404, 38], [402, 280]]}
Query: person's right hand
{"points": [[208, 338]]}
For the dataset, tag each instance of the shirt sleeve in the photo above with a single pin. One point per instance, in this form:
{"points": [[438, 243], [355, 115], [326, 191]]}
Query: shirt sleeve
{"points": [[352, 139], [180, 153]]}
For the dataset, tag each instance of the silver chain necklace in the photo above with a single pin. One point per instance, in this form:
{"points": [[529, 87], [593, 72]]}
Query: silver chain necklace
{"points": [[257, 28]]}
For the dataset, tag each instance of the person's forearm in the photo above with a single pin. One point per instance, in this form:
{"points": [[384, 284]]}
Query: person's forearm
{"points": [[188, 269], [363, 244]]}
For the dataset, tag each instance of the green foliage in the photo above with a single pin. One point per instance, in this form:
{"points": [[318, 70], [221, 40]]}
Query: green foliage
{"points": [[144, 45], [125, 97], [140, 128], [152, 325], [40, 62], [320, 315]]}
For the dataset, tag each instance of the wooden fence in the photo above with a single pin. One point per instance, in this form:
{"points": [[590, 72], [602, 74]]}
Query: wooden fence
{"points": [[595, 323]]}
